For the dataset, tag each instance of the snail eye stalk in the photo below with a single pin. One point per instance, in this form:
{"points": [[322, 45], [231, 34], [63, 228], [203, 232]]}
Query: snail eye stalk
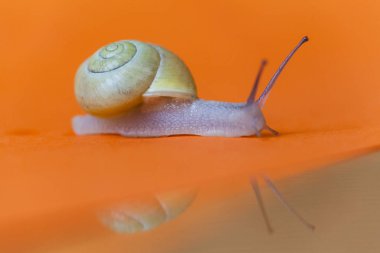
{"points": [[271, 83], [252, 95]]}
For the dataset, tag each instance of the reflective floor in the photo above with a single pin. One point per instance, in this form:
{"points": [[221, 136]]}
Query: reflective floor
{"points": [[342, 201]]}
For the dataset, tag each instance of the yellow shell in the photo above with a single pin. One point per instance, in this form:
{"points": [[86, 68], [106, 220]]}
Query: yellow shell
{"points": [[118, 75]]}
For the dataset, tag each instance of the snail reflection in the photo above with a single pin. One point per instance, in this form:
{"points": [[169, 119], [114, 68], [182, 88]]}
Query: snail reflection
{"points": [[142, 213], [146, 212], [280, 197]]}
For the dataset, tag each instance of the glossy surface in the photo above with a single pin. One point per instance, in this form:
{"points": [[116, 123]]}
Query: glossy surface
{"points": [[343, 208]]}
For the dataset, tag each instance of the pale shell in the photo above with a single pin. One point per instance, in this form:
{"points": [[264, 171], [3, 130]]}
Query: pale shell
{"points": [[117, 76]]}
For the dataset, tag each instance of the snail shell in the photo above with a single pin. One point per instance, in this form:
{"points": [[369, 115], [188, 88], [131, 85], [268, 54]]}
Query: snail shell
{"points": [[118, 76], [147, 212]]}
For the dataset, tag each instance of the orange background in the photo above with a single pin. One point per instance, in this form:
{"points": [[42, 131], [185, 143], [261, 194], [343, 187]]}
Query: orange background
{"points": [[326, 103]]}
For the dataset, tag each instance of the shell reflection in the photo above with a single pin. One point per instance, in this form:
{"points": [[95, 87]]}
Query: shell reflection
{"points": [[146, 212]]}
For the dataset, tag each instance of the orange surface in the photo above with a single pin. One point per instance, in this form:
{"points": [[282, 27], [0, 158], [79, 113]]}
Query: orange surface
{"points": [[326, 103]]}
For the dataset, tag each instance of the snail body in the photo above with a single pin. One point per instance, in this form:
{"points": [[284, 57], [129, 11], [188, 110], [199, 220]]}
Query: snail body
{"points": [[141, 90], [164, 116]]}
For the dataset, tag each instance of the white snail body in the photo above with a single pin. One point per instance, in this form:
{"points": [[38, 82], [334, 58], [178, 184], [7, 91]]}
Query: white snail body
{"points": [[147, 212], [170, 116], [141, 90]]}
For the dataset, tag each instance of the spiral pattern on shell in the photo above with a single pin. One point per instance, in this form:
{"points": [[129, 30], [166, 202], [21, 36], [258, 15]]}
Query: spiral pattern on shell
{"points": [[117, 76], [111, 57]]}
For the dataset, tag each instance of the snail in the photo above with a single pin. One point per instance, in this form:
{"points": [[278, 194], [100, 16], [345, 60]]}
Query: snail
{"points": [[137, 89], [146, 212]]}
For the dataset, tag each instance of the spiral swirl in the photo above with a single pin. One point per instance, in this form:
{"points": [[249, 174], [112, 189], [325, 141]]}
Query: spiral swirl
{"points": [[111, 57]]}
